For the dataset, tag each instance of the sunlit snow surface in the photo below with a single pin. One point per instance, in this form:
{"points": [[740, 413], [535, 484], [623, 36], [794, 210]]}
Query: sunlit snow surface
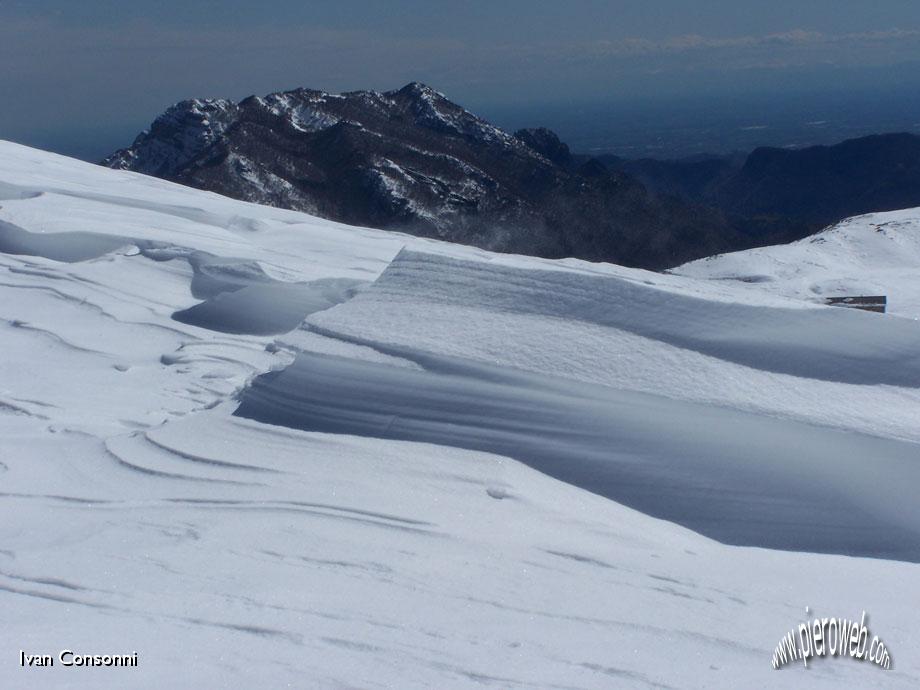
{"points": [[138, 513], [876, 254]]}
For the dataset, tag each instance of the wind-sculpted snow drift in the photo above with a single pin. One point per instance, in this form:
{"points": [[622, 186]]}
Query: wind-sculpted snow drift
{"points": [[268, 308], [851, 493], [400, 542], [828, 344], [70, 247], [239, 296]]}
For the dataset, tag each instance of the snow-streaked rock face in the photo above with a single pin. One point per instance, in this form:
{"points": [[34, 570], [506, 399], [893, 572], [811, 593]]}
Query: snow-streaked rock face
{"points": [[138, 513], [414, 161], [180, 135]]}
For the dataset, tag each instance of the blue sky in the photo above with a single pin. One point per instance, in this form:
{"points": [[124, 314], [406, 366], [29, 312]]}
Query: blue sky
{"points": [[478, 20], [102, 65]]}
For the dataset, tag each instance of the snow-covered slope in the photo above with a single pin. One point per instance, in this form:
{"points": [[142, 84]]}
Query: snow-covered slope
{"points": [[875, 254], [365, 516]]}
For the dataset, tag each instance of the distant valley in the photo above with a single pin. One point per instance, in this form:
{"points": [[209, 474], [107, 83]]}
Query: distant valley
{"points": [[817, 186]]}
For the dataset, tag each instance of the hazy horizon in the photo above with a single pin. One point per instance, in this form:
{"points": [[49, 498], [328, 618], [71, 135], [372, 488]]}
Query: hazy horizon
{"points": [[656, 78], [641, 129]]}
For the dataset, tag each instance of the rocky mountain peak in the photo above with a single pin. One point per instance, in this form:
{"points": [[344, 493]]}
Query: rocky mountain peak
{"points": [[547, 143], [412, 160], [182, 133]]}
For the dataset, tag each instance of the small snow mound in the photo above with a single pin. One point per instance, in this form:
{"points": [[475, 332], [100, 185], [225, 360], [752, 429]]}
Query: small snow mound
{"points": [[267, 308]]}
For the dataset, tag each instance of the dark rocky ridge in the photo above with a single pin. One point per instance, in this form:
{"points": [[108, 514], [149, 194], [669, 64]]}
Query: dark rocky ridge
{"points": [[412, 160], [807, 188]]}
